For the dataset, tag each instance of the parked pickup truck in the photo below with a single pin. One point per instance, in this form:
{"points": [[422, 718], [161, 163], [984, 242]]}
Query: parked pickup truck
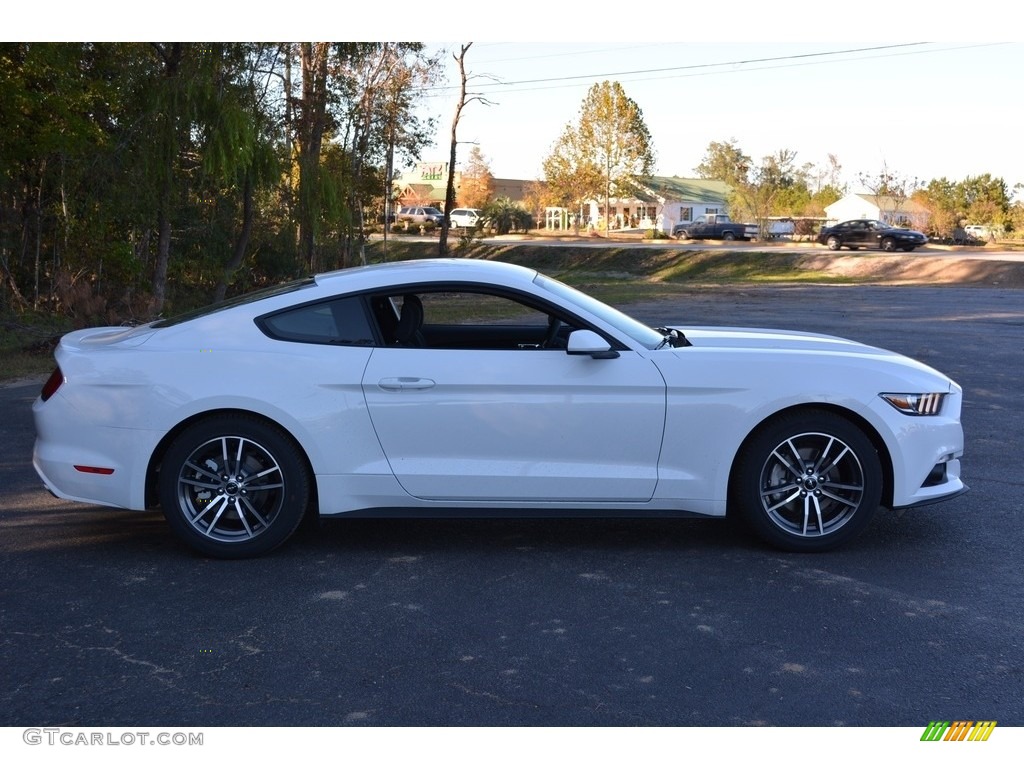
{"points": [[711, 226]]}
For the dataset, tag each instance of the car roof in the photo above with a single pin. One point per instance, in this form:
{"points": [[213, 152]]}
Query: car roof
{"points": [[425, 270]]}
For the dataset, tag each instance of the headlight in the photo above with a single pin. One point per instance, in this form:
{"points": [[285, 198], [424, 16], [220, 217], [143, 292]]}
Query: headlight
{"points": [[928, 404]]}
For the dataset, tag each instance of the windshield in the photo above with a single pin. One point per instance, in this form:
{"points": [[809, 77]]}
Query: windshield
{"points": [[622, 322]]}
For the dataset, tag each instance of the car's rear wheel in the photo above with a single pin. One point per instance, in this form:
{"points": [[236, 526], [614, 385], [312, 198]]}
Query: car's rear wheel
{"points": [[888, 244], [728, 236], [233, 486], [834, 243], [807, 481]]}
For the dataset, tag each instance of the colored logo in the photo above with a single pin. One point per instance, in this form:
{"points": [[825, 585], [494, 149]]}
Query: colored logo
{"points": [[958, 730]]}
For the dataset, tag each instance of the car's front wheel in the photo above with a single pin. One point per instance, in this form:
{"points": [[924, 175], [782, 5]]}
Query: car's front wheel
{"points": [[834, 243], [807, 481], [233, 486], [729, 236]]}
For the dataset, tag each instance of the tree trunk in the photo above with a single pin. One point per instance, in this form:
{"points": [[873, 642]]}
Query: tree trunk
{"points": [[312, 123], [163, 255], [241, 244], [449, 195]]}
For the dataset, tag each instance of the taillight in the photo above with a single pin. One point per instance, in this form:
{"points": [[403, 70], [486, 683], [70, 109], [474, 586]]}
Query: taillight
{"points": [[52, 384]]}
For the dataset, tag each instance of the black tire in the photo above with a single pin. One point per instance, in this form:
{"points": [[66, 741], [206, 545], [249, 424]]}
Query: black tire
{"points": [[888, 244], [233, 486], [683, 235], [807, 481], [728, 236], [834, 243]]}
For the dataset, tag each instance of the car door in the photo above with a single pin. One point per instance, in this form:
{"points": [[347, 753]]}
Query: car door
{"points": [[860, 234], [497, 420]]}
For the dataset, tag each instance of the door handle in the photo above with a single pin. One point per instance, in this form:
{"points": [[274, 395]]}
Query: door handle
{"points": [[404, 383]]}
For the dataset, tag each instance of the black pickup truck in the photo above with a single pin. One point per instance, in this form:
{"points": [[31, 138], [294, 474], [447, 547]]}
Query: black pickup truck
{"points": [[711, 226]]}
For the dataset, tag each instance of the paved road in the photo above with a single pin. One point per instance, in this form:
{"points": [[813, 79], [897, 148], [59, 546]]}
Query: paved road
{"points": [[105, 620]]}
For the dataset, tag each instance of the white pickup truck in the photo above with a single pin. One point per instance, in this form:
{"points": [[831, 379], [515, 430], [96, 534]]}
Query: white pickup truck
{"points": [[978, 232]]}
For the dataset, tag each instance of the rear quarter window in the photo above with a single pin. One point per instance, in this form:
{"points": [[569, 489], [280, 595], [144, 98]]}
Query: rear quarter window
{"points": [[340, 321]]}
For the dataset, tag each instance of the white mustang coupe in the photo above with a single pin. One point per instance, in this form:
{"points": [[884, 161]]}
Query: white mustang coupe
{"points": [[455, 387]]}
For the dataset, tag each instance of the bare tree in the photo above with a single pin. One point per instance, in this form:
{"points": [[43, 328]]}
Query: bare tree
{"points": [[464, 99], [891, 191]]}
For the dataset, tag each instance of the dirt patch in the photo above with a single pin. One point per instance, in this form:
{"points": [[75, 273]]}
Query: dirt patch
{"points": [[917, 269]]}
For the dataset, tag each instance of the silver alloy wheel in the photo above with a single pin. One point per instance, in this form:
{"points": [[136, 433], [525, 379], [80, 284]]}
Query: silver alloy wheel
{"points": [[811, 485], [834, 243], [230, 489], [888, 244]]}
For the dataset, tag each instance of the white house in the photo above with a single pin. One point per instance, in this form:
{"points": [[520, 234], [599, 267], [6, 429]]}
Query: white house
{"points": [[661, 203], [882, 207]]}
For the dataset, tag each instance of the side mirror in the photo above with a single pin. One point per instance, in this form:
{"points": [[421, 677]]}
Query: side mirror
{"points": [[590, 343]]}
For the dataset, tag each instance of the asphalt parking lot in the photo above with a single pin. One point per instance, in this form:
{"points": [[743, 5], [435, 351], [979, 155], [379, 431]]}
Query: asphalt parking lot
{"points": [[106, 620]]}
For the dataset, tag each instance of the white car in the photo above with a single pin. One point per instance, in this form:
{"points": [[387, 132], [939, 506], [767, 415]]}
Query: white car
{"points": [[465, 217], [470, 387]]}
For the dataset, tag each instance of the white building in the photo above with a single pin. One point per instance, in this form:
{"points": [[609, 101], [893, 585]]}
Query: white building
{"points": [[661, 203], [881, 207]]}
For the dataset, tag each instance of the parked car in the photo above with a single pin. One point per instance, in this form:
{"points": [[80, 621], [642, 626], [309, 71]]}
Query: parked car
{"points": [[408, 402], [465, 217], [978, 232], [870, 233], [420, 214]]}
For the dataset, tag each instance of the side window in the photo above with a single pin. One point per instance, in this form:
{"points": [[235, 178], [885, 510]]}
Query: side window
{"points": [[467, 319], [341, 321], [477, 309]]}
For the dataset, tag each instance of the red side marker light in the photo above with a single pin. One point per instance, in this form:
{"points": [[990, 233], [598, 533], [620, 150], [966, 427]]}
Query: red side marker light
{"points": [[94, 470], [52, 384]]}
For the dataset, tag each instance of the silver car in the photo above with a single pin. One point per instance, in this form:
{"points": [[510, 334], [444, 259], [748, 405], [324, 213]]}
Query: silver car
{"points": [[420, 215]]}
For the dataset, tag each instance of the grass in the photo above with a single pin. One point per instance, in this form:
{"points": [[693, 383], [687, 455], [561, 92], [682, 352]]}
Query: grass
{"points": [[27, 342], [621, 274]]}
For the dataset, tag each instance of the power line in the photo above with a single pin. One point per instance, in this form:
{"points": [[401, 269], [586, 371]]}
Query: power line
{"points": [[694, 70]]}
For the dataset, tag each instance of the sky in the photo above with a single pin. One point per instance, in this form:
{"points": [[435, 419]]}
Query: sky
{"points": [[919, 110]]}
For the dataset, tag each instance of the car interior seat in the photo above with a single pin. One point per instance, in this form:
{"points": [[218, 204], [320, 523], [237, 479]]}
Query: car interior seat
{"points": [[410, 322]]}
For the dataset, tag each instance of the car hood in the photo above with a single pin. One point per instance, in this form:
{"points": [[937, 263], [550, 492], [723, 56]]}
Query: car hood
{"points": [[815, 348], [767, 338]]}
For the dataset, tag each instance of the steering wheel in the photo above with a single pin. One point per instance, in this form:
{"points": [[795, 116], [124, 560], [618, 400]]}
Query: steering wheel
{"points": [[551, 337]]}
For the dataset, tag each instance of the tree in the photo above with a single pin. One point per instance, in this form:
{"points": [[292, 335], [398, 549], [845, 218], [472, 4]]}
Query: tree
{"points": [[402, 132], [477, 181], [311, 123], [609, 141], [375, 85], [571, 174], [725, 161], [507, 216], [464, 99], [774, 187], [890, 188]]}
